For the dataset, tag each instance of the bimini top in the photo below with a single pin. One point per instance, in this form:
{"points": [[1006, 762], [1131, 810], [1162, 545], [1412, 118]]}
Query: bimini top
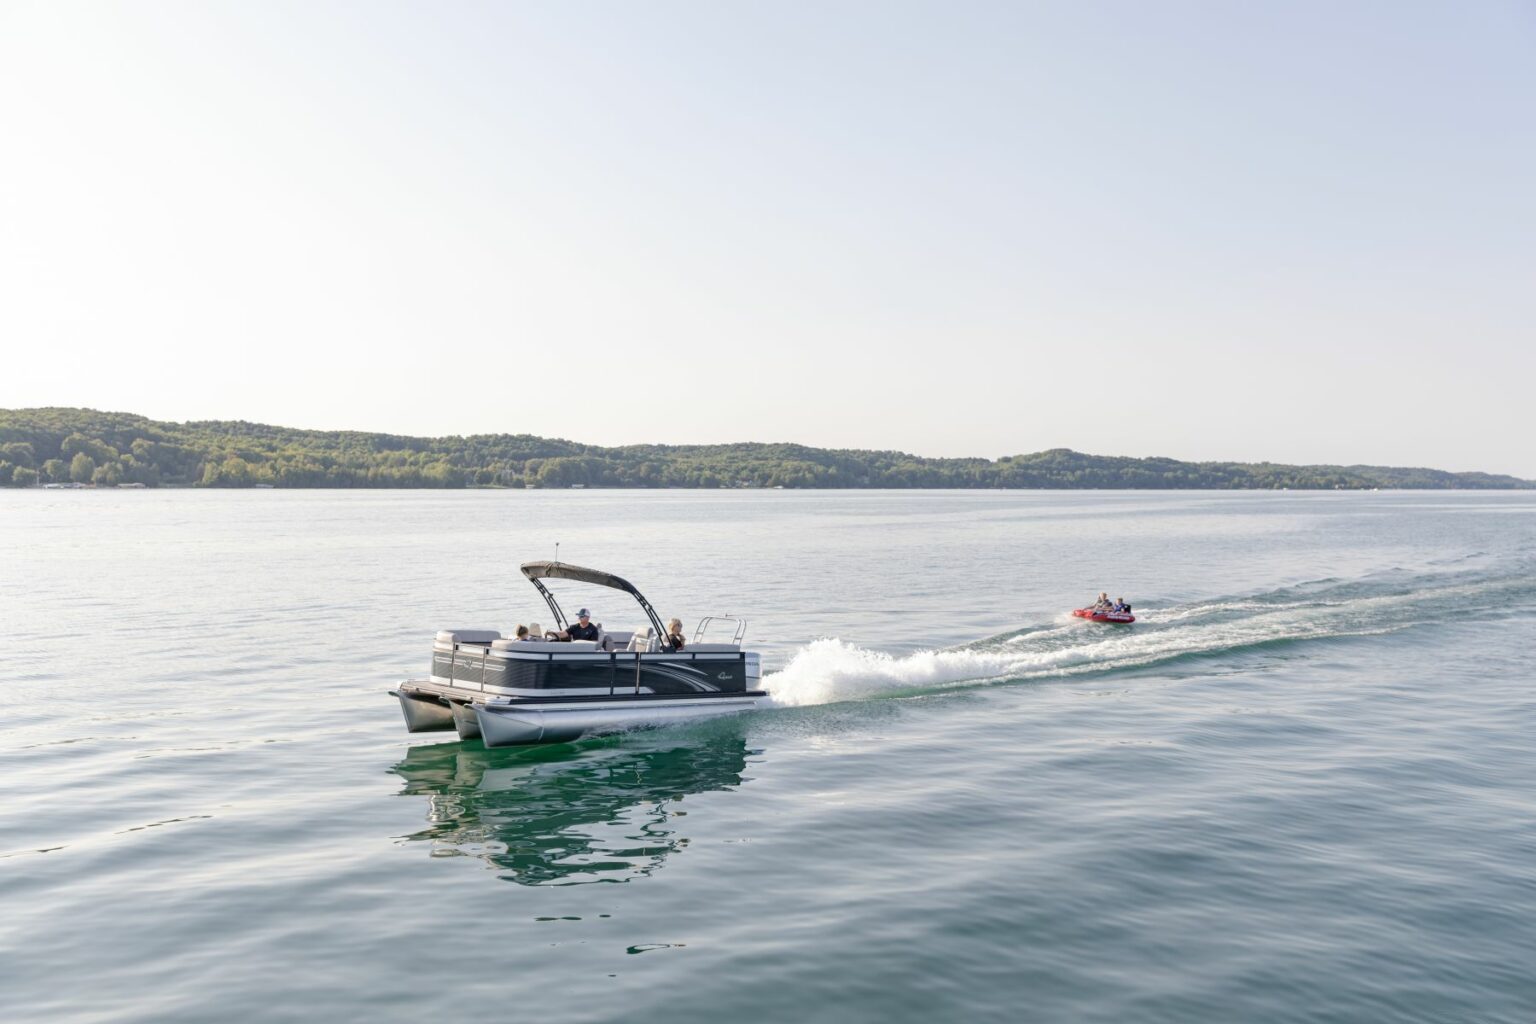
{"points": [[536, 571], [564, 571]]}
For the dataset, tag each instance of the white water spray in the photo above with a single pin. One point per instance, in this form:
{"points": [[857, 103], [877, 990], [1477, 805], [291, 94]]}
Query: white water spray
{"points": [[831, 670]]}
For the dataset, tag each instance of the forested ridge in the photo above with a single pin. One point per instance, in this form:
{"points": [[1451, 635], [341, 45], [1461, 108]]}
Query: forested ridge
{"points": [[55, 445]]}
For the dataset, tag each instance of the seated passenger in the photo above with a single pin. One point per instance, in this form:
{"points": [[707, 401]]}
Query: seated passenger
{"points": [[675, 634], [522, 634], [583, 629], [1120, 607], [1102, 604]]}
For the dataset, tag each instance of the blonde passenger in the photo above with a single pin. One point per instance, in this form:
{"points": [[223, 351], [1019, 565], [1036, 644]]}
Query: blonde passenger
{"points": [[675, 634]]}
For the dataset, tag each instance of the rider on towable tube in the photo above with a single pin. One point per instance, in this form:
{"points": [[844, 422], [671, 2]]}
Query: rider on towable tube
{"points": [[1105, 610]]}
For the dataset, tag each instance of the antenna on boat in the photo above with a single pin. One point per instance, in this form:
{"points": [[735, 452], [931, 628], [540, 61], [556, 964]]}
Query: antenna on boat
{"points": [[557, 551]]}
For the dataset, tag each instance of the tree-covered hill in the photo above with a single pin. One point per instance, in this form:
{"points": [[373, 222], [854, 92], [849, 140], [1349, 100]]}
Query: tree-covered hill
{"points": [[107, 448]]}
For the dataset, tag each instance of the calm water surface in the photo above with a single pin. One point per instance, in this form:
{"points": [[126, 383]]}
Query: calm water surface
{"points": [[1299, 789]]}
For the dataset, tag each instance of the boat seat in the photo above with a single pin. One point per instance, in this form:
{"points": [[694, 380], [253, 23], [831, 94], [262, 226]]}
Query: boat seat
{"points": [[467, 636], [642, 641], [618, 641]]}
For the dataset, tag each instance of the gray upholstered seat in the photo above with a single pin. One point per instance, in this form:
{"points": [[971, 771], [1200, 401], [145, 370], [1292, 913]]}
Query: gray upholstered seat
{"points": [[467, 636], [615, 641]]}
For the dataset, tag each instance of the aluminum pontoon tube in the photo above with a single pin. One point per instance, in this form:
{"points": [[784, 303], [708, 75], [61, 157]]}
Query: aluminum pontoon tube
{"points": [[424, 714], [508, 725], [465, 721]]}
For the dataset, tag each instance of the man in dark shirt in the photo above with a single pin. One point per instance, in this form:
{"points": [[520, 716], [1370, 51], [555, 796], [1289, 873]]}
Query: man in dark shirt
{"points": [[583, 629]]}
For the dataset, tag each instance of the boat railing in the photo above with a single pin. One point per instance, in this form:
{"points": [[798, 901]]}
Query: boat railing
{"points": [[708, 622], [470, 649]]}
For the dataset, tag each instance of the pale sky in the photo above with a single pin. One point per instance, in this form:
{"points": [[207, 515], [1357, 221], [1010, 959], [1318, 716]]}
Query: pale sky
{"points": [[1303, 232]]}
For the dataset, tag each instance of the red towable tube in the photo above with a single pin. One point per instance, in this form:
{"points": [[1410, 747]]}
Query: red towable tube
{"points": [[1090, 614]]}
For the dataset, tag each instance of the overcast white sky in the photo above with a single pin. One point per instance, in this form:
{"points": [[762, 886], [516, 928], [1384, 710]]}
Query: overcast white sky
{"points": [[1303, 232]]}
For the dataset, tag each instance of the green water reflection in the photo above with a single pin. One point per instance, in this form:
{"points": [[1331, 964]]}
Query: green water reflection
{"points": [[570, 814]]}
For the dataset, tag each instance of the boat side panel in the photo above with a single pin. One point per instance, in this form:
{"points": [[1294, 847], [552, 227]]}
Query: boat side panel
{"points": [[474, 667], [658, 673], [704, 674]]}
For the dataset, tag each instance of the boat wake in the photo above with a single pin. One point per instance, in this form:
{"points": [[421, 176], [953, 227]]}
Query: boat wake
{"points": [[831, 670]]}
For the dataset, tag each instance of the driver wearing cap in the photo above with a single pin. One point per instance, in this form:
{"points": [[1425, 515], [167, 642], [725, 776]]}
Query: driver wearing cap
{"points": [[583, 628]]}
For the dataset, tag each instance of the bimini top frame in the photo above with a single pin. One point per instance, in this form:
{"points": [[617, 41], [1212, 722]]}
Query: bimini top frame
{"points": [[536, 571]]}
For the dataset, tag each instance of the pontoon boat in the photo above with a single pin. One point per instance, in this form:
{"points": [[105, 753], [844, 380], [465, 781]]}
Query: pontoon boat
{"points": [[549, 690]]}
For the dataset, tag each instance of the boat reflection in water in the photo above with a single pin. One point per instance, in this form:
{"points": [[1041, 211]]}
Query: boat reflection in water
{"points": [[566, 815]]}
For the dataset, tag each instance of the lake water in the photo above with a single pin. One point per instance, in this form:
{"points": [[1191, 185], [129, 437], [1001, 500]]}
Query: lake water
{"points": [[1301, 788]]}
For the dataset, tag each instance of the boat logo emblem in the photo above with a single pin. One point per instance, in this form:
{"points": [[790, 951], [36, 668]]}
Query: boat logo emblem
{"points": [[724, 677]]}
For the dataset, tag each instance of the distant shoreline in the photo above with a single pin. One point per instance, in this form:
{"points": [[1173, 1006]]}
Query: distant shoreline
{"points": [[63, 446], [161, 488]]}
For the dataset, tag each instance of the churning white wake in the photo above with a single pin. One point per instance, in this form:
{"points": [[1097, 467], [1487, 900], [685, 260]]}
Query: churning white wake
{"points": [[831, 670]]}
